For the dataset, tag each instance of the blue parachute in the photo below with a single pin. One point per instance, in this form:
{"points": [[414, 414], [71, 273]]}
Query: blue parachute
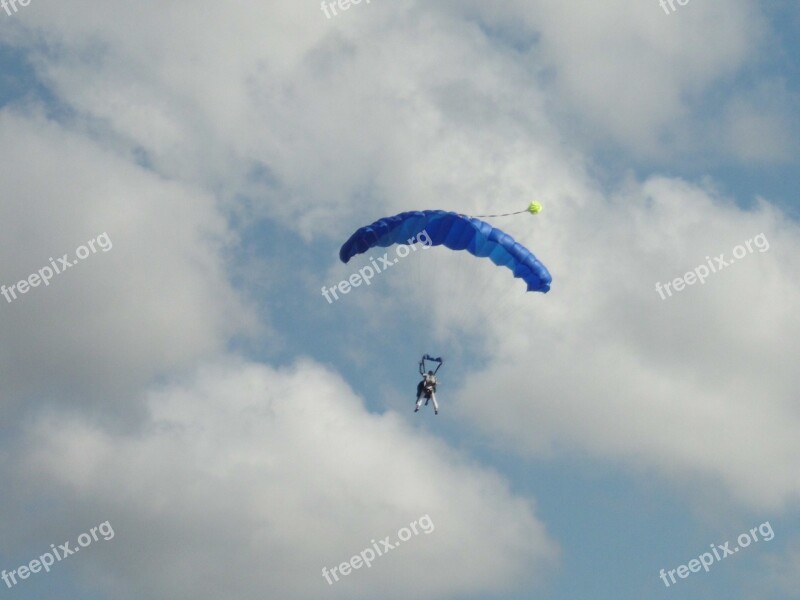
{"points": [[454, 231]]}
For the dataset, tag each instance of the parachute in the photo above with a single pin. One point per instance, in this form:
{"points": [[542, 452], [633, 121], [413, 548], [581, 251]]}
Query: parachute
{"points": [[456, 232]]}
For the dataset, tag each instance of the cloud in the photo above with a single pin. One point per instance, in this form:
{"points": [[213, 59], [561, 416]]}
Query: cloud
{"points": [[318, 124], [635, 75], [247, 481], [698, 385], [626, 77], [157, 300], [278, 95]]}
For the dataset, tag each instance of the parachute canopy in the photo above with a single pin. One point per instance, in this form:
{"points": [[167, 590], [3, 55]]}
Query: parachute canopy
{"points": [[454, 231]]}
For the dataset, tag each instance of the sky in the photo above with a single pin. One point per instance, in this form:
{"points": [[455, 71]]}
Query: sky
{"points": [[186, 416]]}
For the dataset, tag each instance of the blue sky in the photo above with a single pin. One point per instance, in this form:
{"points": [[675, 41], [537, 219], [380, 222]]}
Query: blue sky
{"points": [[192, 386]]}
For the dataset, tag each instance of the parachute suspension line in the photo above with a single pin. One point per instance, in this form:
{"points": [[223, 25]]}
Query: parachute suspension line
{"points": [[533, 208]]}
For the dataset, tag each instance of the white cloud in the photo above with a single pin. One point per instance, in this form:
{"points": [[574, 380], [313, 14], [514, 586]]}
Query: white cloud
{"points": [[699, 385], [248, 481], [635, 74], [623, 74], [157, 300], [398, 108], [323, 108]]}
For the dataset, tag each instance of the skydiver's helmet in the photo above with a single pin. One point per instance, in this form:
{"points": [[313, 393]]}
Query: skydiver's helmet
{"points": [[430, 373]]}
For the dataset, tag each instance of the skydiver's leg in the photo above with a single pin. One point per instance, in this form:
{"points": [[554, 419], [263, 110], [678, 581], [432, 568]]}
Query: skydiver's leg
{"points": [[435, 404], [420, 392]]}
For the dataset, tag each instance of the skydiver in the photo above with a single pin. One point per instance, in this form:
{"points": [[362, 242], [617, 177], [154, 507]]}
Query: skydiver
{"points": [[427, 387]]}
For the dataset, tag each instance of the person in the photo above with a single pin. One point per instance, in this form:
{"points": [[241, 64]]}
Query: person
{"points": [[427, 387]]}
